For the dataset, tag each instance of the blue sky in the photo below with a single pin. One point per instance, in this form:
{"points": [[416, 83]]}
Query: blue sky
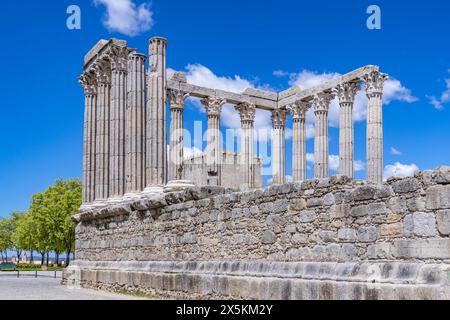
{"points": [[229, 44]]}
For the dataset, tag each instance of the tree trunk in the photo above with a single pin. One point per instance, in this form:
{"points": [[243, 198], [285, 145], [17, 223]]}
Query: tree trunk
{"points": [[47, 259], [67, 259], [31, 257], [42, 257], [57, 258]]}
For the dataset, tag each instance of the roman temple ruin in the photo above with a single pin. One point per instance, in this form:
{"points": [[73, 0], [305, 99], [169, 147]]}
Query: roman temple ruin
{"points": [[158, 222]]}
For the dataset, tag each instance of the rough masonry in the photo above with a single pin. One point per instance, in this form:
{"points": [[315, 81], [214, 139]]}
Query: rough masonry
{"points": [[332, 238]]}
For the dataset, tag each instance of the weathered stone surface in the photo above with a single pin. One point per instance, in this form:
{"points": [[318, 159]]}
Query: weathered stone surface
{"points": [[406, 185], [346, 234], [443, 222], [268, 237], [438, 197], [420, 224], [391, 230], [307, 216], [422, 249], [367, 234]]}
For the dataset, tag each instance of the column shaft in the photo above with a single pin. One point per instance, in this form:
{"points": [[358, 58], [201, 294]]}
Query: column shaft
{"points": [[135, 124], [346, 93], [321, 153], [177, 99], [278, 147], [374, 85], [117, 133], [102, 131], [156, 153], [247, 113], [299, 141]]}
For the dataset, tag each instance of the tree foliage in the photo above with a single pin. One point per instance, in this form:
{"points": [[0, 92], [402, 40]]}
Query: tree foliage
{"points": [[48, 225]]}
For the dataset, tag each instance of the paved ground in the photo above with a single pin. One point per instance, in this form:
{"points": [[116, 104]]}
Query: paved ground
{"points": [[46, 287]]}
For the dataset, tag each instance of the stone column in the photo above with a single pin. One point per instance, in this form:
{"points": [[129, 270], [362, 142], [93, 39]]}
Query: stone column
{"points": [[247, 112], [298, 110], [346, 93], [103, 73], [213, 107], [88, 81], [321, 104], [135, 125], [119, 67], [374, 89], [156, 151], [278, 146], [177, 100]]}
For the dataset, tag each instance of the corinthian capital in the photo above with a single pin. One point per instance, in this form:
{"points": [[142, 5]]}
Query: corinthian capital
{"points": [[375, 83], [247, 111], [321, 101], [346, 92], [102, 69], [299, 109], [119, 58], [213, 105], [89, 83], [279, 118], [177, 98]]}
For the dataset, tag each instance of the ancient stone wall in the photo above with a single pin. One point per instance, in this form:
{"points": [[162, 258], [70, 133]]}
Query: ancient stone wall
{"points": [[331, 232]]}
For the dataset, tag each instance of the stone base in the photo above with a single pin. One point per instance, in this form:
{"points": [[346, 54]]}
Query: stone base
{"points": [[153, 190], [178, 185], [388, 280]]}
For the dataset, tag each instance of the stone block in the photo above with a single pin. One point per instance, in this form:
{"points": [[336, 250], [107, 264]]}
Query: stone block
{"points": [[359, 211], [443, 175], [379, 251], [367, 234], [363, 193], [307, 216], [397, 205], [299, 238], [268, 237], [391, 230], [422, 249], [348, 252], [443, 222], [420, 224], [346, 234], [297, 204], [438, 197], [406, 185]]}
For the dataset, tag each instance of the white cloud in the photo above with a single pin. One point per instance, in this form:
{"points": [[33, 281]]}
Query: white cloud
{"points": [[333, 162], [395, 152], [399, 170], [393, 91], [191, 152], [445, 97], [125, 17]]}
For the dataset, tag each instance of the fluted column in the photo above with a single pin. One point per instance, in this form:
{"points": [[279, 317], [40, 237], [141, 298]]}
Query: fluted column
{"points": [[213, 107], [135, 124], [89, 83], [177, 100], [374, 89], [119, 66], [103, 73], [247, 112], [278, 146], [156, 151], [298, 110], [346, 93], [321, 104]]}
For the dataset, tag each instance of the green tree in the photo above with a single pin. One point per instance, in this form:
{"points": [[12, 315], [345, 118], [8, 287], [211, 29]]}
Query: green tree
{"points": [[6, 231], [53, 211], [24, 235], [14, 222]]}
